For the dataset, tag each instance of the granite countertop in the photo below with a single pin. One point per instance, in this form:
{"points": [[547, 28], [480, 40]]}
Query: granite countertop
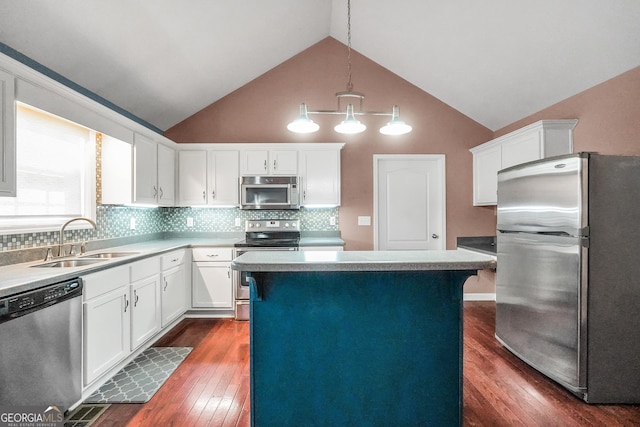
{"points": [[362, 261], [484, 244]]}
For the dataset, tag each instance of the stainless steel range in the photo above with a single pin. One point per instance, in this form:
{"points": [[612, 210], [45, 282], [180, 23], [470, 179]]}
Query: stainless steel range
{"points": [[263, 235]]}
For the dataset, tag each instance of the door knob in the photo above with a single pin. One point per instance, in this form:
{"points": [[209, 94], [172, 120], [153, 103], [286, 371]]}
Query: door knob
{"points": [[435, 236]]}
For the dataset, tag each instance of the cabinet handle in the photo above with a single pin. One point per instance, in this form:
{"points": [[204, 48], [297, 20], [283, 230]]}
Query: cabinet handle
{"points": [[126, 303], [204, 195], [265, 165], [161, 192], [275, 166], [175, 259], [229, 272], [212, 255], [304, 196], [435, 236], [135, 300], [213, 194], [155, 192], [165, 284]]}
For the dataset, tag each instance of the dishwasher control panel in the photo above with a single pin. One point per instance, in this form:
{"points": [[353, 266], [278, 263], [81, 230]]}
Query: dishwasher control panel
{"points": [[16, 305]]}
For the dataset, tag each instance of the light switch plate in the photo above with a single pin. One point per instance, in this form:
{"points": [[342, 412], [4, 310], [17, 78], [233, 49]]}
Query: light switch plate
{"points": [[364, 220], [132, 223], [238, 222], [332, 220], [189, 222]]}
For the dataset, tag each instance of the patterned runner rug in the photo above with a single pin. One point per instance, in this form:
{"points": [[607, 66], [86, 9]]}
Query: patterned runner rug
{"points": [[139, 380]]}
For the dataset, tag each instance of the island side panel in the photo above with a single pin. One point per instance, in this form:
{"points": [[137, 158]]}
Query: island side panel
{"points": [[357, 348]]}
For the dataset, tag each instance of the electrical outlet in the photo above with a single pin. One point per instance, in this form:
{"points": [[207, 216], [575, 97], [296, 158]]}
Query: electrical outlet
{"points": [[364, 220], [332, 220], [189, 222], [132, 223], [238, 222]]}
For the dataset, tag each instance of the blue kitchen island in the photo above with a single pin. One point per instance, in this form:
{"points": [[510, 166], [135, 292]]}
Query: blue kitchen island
{"points": [[357, 338]]}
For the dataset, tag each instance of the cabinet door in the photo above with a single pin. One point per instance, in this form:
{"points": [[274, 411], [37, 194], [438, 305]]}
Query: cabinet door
{"points": [[116, 171], [192, 177], [486, 164], [223, 183], [254, 162], [283, 162], [7, 136], [145, 170], [173, 297], [145, 310], [107, 331], [212, 285], [524, 148], [320, 171], [166, 175]]}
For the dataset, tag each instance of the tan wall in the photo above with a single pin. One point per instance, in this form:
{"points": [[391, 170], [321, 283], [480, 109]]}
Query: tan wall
{"points": [[608, 114], [272, 100]]}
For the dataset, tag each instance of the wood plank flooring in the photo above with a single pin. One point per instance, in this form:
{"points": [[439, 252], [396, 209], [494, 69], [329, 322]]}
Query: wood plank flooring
{"points": [[211, 387]]}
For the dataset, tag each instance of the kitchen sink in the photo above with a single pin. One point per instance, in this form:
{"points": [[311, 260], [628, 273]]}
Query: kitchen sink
{"points": [[66, 263], [108, 255]]}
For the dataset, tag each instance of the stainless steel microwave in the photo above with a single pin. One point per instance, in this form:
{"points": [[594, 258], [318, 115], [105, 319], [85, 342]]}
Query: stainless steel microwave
{"points": [[269, 192]]}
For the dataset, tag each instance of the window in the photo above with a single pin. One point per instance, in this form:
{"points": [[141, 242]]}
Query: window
{"points": [[55, 173]]}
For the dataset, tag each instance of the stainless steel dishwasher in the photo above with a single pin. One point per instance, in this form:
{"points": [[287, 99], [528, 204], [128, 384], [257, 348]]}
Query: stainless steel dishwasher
{"points": [[41, 346]]}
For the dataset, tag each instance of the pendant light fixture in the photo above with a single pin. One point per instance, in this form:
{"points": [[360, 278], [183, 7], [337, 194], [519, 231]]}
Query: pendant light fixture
{"points": [[350, 125]]}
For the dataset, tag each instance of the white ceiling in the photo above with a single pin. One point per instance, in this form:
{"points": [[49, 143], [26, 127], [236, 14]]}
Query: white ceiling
{"points": [[496, 61]]}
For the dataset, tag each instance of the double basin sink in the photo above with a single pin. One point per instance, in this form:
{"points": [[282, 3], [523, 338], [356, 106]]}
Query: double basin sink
{"points": [[83, 260]]}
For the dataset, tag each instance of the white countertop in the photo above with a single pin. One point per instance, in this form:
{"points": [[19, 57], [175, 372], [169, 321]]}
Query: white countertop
{"points": [[362, 261], [23, 277]]}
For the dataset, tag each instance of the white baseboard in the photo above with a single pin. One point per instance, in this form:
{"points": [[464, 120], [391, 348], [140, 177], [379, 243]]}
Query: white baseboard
{"points": [[479, 297]]}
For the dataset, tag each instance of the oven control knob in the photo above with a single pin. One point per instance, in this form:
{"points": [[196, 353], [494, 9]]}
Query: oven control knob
{"points": [[286, 224], [250, 225], [257, 225]]}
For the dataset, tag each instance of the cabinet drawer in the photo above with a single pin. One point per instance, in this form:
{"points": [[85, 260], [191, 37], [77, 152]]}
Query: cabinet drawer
{"points": [[212, 254], [172, 259], [100, 283], [145, 268]]}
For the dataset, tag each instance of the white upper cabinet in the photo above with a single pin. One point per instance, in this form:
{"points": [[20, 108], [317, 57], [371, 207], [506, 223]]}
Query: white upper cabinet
{"points": [[269, 162], [153, 172], [145, 170], [192, 177], [7, 135], [166, 175], [116, 171], [222, 178], [208, 177], [320, 174], [546, 138]]}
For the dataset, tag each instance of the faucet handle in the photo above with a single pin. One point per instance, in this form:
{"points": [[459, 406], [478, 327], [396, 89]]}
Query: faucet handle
{"points": [[72, 249], [49, 255], [83, 248]]}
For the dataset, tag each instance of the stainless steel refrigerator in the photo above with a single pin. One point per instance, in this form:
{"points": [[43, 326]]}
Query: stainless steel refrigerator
{"points": [[568, 276]]}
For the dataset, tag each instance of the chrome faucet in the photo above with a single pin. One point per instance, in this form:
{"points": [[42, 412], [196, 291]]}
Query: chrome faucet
{"points": [[61, 245]]}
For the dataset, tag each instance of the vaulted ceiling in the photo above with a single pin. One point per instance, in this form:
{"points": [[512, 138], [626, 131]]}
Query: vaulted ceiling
{"points": [[496, 61]]}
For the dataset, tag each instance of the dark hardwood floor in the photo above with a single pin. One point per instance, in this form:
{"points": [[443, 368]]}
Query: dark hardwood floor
{"points": [[211, 387]]}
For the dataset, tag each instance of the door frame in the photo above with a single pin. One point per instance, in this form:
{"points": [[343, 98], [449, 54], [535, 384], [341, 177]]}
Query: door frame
{"points": [[440, 158]]}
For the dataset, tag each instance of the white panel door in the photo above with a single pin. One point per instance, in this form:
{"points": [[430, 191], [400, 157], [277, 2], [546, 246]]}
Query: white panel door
{"points": [[409, 202]]}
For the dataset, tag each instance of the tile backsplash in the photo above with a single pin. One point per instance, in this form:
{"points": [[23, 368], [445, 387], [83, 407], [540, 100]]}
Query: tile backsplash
{"points": [[115, 221]]}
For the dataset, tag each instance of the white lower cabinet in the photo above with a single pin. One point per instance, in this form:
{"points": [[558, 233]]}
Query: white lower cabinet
{"points": [[145, 300], [107, 321], [126, 306], [173, 296], [212, 280]]}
